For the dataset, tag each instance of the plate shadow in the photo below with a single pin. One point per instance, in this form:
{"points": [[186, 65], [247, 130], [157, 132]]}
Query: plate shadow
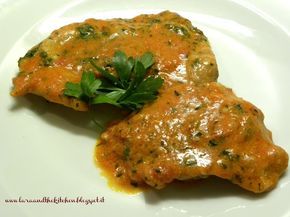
{"points": [[90, 123]]}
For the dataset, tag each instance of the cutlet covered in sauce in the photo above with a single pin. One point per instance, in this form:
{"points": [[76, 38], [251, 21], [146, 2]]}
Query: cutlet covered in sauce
{"points": [[195, 128], [190, 132], [63, 56]]}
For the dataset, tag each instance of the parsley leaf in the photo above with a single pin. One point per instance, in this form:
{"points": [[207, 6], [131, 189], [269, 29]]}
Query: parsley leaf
{"points": [[89, 84], [123, 67], [110, 98], [147, 60], [72, 89], [129, 89]]}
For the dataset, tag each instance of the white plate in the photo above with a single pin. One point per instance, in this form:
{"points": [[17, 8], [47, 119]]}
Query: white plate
{"points": [[47, 150]]}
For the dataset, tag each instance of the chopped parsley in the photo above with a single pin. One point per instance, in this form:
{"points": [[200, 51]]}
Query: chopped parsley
{"points": [[86, 31]]}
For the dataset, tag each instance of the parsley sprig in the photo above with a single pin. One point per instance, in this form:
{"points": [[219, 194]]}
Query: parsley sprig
{"points": [[130, 88]]}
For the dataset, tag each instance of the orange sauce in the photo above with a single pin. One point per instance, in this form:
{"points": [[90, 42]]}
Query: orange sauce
{"points": [[115, 184], [195, 128]]}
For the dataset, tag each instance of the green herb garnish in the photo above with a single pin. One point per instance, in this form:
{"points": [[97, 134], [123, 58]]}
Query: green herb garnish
{"points": [[212, 143], [180, 30], [129, 89], [31, 52], [126, 153], [228, 153], [86, 31], [239, 108], [46, 60]]}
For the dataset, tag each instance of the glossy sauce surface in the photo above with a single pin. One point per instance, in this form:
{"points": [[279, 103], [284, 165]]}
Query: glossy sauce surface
{"points": [[193, 132], [178, 48], [196, 128]]}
